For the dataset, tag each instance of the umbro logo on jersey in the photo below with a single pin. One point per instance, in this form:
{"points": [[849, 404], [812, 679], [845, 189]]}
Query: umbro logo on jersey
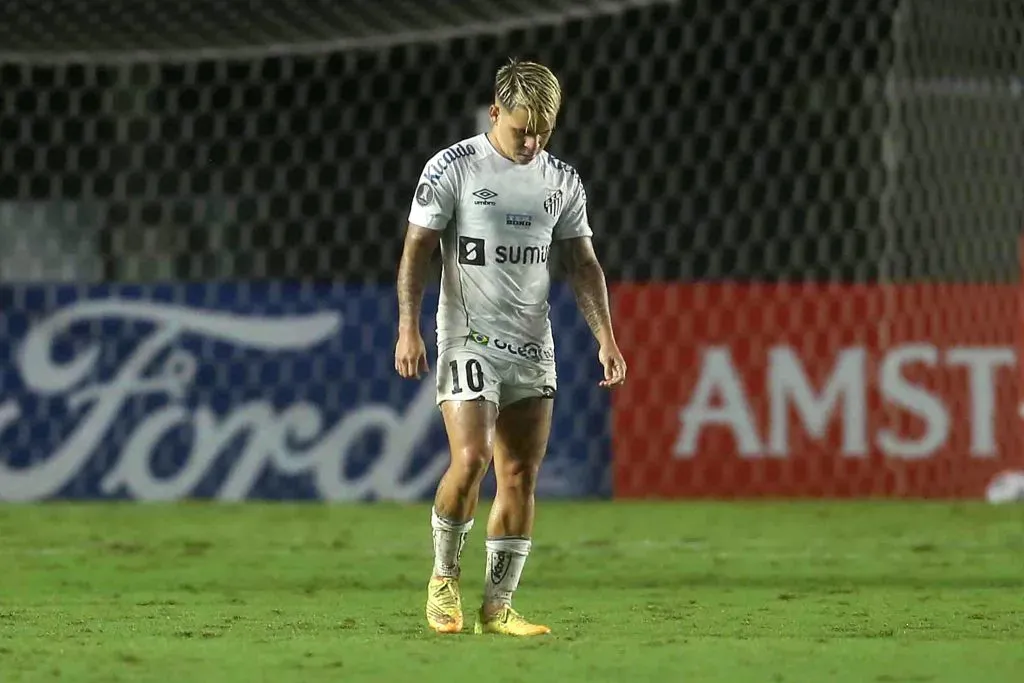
{"points": [[472, 251], [484, 197], [553, 204]]}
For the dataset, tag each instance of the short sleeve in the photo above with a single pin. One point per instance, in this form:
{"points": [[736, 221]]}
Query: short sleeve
{"points": [[433, 204], [573, 221]]}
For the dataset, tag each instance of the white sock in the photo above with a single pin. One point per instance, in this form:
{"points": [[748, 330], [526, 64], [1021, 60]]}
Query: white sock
{"points": [[449, 539], [506, 557]]}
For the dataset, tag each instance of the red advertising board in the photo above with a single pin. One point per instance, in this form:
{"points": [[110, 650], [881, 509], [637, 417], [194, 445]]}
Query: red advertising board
{"points": [[815, 390]]}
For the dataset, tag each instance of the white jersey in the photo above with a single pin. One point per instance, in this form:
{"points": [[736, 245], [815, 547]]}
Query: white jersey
{"points": [[499, 220]]}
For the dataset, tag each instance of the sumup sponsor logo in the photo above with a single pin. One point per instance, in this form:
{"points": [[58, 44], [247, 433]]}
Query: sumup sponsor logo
{"points": [[518, 254], [290, 440]]}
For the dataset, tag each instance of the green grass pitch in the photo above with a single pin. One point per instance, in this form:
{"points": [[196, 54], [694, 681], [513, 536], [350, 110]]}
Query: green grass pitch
{"points": [[737, 592]]}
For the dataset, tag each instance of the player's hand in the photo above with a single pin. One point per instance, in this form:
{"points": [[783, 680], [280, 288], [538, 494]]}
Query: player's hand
{"points": [[411, 354], [614, 366]]}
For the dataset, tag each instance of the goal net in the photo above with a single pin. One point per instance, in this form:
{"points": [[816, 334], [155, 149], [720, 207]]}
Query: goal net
{"points": [[808, 213]]}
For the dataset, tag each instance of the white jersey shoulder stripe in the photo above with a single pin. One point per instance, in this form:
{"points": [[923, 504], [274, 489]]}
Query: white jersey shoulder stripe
{"points": [[562, 166]]}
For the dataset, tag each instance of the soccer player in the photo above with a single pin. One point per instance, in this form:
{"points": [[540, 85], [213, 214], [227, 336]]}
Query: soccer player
{"points": [[496, 203]]}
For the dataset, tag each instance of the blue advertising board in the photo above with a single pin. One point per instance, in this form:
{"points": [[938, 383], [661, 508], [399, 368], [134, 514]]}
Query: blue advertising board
{"points": [[239, 391]]}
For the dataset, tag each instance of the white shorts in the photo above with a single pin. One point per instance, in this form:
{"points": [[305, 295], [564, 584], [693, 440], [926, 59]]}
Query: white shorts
{"points": [[468, 373]]}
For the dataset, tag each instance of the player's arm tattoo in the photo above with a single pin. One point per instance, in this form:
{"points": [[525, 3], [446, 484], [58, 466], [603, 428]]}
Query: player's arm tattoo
{"points": [[588, 284], [412, 273]]}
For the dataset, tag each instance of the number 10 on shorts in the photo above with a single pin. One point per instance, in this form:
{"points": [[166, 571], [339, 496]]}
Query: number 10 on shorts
{"points": [[473, 375]]}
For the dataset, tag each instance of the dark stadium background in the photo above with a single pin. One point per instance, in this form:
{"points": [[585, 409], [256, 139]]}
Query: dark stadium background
{"points": [[719, 140]]}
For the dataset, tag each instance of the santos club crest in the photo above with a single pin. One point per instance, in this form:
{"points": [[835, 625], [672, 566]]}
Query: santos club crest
{"points": [[553, 204]]}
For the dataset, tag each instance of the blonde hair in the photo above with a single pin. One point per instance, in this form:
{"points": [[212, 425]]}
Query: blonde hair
{"points": [[530, 86]]}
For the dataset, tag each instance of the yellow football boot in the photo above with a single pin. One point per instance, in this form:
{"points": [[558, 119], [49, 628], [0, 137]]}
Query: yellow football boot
{"points": [[444, 605], [509, 622]]}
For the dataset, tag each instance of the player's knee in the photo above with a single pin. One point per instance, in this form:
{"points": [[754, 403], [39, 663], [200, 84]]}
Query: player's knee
{"points": [[518, 476], [470, 463]]}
